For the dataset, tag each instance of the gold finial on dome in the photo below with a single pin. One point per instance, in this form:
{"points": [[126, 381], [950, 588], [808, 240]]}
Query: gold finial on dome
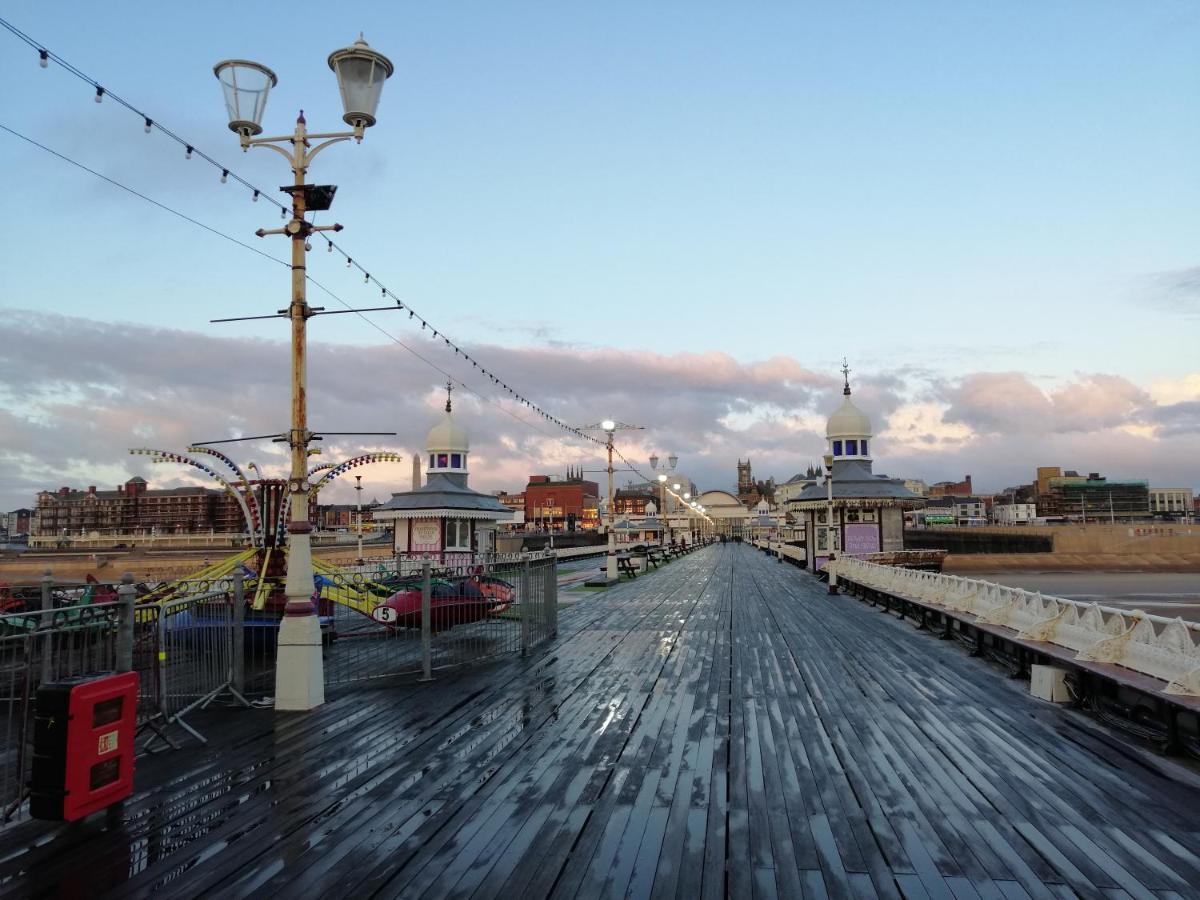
{"points": [[846, 376], [449, 389]]}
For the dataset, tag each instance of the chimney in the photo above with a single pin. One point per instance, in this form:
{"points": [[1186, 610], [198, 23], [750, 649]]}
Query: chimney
{"points": [[91, 489], [416, 473]]}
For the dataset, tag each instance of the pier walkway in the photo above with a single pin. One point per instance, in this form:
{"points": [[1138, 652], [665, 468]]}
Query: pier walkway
{"points": [[720, 727]]}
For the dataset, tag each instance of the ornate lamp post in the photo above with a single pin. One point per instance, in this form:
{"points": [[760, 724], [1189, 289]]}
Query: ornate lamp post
{"points": [[609, 427], [361, 71], [663, 471], [830, 531]]}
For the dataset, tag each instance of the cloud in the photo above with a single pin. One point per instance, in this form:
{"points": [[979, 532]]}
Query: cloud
{"points": [[1178, 290], [76, 394], [1009, 402]]}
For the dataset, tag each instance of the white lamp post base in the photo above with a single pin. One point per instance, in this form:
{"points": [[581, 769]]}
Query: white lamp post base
{"points": [[299, 674], [299, 668]]}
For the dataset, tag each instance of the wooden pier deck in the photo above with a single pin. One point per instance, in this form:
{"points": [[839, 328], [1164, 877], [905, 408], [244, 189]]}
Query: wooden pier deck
{"points": [[718, 728]]}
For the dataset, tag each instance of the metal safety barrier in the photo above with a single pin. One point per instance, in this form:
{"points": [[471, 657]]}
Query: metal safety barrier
{"points": [[199, 651], [1167, 649], [63, 631], [422, 616]]}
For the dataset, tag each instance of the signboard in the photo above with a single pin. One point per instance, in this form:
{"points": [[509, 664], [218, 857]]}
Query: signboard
{"points": [[862, 538], [426, 532]]}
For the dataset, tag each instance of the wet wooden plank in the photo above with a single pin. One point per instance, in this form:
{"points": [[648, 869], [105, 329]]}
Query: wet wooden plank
{"points": [[721, 728]]}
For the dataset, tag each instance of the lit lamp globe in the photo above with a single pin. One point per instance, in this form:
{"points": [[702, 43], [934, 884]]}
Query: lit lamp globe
{"points": [[662, 479], [609, 425], [361, 73], [828, 458], [246, 85], [675, 486]]}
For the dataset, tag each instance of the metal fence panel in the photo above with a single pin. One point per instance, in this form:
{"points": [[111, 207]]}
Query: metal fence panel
{"points": [[62, 631], [422, 615]]}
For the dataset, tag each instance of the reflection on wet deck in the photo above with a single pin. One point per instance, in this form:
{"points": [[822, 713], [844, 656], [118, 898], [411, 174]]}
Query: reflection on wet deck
{"points": [[720, 728]]}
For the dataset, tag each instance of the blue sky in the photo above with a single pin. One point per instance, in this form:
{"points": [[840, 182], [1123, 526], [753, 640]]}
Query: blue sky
{"points": [[935, 190]]}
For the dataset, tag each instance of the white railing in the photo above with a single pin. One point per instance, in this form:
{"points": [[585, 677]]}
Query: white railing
{"points": [[1167, 649]]}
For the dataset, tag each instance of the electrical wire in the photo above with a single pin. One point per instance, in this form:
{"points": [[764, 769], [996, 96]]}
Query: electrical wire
{"points": [[466, 387], [191, 149], [142, 196]]}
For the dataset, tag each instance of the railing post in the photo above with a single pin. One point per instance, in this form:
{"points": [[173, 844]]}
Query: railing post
{"points": [[47, 624], [551, 595], [126, 597], [237, 644], [525, 606], [426, 624]]}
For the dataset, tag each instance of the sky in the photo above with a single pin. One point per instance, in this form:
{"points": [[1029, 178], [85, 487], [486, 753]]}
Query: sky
{"points": [[679, 215]]}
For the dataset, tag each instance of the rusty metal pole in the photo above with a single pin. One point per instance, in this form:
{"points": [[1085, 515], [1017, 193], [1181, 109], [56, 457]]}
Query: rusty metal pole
{"points": [[299, 674]]}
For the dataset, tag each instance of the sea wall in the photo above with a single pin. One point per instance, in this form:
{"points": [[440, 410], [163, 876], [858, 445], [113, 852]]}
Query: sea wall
{"points": [[1099, 547]]}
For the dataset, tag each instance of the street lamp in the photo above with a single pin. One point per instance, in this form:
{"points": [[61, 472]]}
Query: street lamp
{"points": [[829, 529], [663, 471], [610, 572], [361, 71]]}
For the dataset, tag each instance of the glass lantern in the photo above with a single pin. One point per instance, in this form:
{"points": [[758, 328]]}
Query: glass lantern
{"points": [[361, 73], [246, 85]]}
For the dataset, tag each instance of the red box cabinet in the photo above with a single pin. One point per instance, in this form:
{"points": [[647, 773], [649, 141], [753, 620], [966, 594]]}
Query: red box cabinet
{"points": [[83, 745]]}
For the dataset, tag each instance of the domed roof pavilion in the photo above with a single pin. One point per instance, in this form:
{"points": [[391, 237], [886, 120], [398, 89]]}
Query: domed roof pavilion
{"points": [[868, 509], [444, 519]]}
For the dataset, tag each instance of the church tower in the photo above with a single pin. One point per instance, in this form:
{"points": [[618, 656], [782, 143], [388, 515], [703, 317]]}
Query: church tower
{"points": [[745, 479]]}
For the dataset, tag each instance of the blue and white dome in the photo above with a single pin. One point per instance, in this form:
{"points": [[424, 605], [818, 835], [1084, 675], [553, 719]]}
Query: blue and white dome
{"points": [[848, 431]]}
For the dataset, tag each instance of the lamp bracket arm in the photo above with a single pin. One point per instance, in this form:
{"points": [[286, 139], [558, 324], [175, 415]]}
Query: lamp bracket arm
{"points": [[269, 143], [343, 135], [308, 157]]}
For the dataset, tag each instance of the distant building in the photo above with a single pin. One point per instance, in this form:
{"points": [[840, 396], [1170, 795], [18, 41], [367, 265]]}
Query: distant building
{"points": [[335, 516], [917, 486], [1175, 504], [515, 504], [793, 487], [938, 511], [16, 523], [1014, 513], [749, 491], [1072, 497], [134, 508], [632, 501], [562, 504], [969, 511], [952, 488]]}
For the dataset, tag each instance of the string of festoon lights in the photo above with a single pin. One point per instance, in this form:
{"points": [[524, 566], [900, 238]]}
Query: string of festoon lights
{"points": [[693, 506], [191, 151], [221, 234]]}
